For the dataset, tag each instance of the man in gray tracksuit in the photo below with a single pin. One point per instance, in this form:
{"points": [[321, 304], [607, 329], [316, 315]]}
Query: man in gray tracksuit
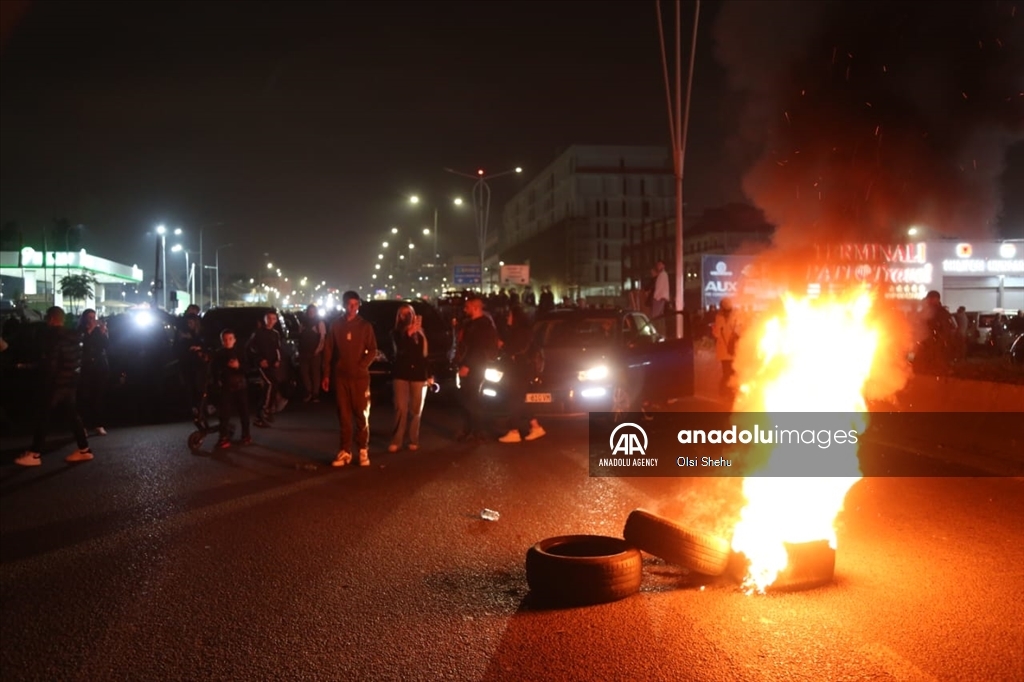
{"points": [[348, 352]]}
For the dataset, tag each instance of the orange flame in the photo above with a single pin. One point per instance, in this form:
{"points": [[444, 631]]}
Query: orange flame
{"points": [[815, 357]]}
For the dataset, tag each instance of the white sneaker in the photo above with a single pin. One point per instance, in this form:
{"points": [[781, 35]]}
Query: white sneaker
{"points": [[83, 455], [536, 432], [342, 459], [100, 431], [393, 448], [364, 458], [511, 437], [29, 459]]}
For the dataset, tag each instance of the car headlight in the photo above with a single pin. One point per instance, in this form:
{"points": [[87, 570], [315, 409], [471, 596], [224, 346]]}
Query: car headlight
{"points": [[594, 373], [493, 375], [144, 319]]}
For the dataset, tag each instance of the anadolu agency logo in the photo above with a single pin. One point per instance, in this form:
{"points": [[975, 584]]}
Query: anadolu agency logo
{"points": [[628, 443]]}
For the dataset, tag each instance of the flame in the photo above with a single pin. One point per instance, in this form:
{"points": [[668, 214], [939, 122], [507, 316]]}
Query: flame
{"points": [[815, 357]]}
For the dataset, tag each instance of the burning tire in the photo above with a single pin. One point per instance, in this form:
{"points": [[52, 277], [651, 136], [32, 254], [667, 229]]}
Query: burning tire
{"points": [[576, 570], [699, 552]]}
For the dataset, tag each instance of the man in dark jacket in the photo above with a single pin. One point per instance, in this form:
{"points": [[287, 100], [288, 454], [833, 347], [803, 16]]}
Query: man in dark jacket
{"points": [[478, 345], [229, 373], [92, 386], [265, 354], [60, 367], [349, 351]]}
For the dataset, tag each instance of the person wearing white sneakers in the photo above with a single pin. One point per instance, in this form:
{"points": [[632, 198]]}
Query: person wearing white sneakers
{"points": [[60, 365], [521, 363], [410, 375], [348, 352]]}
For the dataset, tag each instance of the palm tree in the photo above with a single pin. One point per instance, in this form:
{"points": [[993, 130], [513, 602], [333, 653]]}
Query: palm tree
{"points": [[77, 288]]}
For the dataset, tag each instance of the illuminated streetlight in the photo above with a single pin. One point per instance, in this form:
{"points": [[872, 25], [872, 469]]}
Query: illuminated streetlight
{"points": [[426, 231], [270, 266], [394, 230], [385, 245], [414, 199], [482, 203], [912, 231]]}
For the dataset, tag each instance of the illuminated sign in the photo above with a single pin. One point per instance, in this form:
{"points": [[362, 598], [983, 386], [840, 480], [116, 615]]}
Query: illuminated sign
{"points": [[978, 266], [909, 254], [865, 273]]}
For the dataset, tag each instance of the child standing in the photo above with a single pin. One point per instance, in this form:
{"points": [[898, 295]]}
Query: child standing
{"points": [[229, 373]]}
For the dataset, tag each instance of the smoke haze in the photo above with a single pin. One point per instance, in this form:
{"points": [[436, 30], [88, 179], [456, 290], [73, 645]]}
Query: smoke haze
{"points": [[864, 118]]}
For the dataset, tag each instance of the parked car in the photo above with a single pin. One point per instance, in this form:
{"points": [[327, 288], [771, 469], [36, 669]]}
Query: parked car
{"points": [[381, 314], [145, 386], [598, 361]]}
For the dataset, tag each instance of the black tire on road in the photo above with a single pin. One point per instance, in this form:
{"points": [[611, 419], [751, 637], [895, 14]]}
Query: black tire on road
{"points": [[577, 570], [195, 440], [700, 552]]}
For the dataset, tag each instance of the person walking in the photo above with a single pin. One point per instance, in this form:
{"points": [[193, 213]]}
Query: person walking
{"points": [[264, 349], [229, 374], [60, 365], [517, 347], [311, 348], [478, 345], [726, 333], [92, 385], [411, 376], [349, 350]]}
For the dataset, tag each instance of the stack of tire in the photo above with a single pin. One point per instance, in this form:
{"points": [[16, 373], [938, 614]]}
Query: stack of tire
{"points": [[578, 570]]}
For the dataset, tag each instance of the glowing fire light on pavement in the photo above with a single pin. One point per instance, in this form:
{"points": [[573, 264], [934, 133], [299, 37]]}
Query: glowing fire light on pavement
{"points": [[814, 358]]}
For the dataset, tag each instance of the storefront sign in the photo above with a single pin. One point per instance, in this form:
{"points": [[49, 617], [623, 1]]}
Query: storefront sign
{"points": [[910, 254], [974, 266]]}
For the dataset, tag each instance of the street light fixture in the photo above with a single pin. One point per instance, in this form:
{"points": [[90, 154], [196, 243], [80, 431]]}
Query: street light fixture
{"points": [[482, 204]]}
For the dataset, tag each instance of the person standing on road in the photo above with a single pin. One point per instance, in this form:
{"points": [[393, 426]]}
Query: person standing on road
{"points": [[61, 366], [410, 374], [265, 351], [660, 296], [311, 348], [349, 350], [478, 345], [726, 333], [516, 346], [229, 373], [92, 386]]}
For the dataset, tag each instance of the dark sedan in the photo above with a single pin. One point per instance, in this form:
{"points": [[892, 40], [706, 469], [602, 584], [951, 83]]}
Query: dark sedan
{"points": [[598, 361]]}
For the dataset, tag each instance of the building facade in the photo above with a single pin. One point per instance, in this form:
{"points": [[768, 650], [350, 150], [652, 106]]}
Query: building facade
{"points": [[570, 223]]}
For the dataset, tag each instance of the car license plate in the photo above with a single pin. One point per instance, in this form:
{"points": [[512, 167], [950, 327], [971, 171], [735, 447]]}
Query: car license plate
{"points": [[538, 397]]}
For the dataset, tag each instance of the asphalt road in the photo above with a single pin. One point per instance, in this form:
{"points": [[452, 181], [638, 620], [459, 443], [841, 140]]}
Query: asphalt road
{"points": [[266, 563]]}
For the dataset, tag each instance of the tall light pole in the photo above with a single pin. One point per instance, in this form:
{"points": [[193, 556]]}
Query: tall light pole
{"points": [[678, 127], [482, 205], [216, 269], [190, 280], [162, 231]]}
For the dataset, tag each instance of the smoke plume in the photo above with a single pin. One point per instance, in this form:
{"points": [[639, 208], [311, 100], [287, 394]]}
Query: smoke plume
{"points": [[864, 118]]}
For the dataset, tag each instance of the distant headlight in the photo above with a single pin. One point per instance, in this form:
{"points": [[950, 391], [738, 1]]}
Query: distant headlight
{"points": [[493, 375], [594, 374], [144, 319]]}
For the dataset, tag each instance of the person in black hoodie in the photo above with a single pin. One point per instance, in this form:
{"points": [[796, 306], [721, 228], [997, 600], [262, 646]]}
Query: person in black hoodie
{"points": [[478, 345], [229, 373], [410, 375], [60, 367], [265, 352], [517, 347], [92, 387]]}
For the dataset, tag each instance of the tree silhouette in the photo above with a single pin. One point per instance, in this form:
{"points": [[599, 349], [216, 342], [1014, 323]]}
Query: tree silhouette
{"points": [[77, 288]]}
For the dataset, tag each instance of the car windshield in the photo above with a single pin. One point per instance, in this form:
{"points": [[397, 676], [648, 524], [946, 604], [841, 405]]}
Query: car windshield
{"points": [[577, 332]]}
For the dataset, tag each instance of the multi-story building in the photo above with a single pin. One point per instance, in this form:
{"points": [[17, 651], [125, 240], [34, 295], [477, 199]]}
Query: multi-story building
{"points": [[569, 224]]}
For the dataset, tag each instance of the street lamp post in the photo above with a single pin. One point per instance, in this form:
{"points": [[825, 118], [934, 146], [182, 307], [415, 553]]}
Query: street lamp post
{"points": [[162, 232], [416, 200], [482, 205]]}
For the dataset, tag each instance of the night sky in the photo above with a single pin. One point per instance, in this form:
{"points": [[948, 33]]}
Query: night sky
{"points": [[302, 128]]}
